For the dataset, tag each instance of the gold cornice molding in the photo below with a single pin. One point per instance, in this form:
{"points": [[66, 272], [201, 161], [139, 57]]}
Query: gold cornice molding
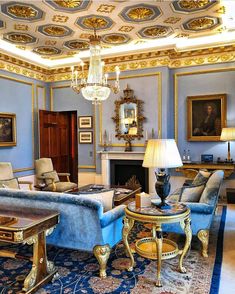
{"points": [[168, 58]]}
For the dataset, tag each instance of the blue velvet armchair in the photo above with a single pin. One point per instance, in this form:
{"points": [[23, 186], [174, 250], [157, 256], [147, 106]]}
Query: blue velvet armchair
{"points": [[83, 224], [202, 212]]}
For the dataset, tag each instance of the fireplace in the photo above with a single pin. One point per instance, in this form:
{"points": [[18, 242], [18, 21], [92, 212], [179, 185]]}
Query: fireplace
{"points": [[121, 171]]}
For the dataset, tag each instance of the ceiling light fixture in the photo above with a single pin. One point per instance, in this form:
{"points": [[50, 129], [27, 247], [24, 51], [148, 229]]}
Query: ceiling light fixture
{"points": [[95, 86]]}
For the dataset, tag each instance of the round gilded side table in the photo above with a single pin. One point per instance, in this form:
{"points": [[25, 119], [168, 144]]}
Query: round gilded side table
{"points": [[156, 247]]}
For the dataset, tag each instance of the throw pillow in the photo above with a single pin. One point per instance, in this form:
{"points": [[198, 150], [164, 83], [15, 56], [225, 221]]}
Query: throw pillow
{"points": [[104, 197], [191, 193], [211, 191], [51, 175], [11, 183], [201, 178], [175, 196]]}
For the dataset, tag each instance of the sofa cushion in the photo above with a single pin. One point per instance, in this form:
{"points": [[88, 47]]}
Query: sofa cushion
{"points": [[104, 197], [201, 178], [175, 196], [51, 175], [191, 193], [211, 190], [11, 183]]}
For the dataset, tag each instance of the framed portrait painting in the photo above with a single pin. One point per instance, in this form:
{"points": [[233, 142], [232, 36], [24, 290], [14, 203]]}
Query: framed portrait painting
{"points": [[206, 117], [7, 129], [85, 122], [85, 137]]}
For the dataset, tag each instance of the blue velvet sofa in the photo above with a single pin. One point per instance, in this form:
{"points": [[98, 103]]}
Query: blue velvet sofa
{"points": [[202, 212], [83, 224]]}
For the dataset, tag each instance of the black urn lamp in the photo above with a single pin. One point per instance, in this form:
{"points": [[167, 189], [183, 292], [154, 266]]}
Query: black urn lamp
{"points": [[162, 154]]}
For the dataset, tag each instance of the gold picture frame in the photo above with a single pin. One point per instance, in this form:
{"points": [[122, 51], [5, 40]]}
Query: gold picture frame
{"points": [[206, 117], [85, 137], [85, 122], [7, 129]]}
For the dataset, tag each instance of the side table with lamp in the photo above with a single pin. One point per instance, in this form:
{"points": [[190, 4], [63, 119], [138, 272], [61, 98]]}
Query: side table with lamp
{"points": [[160, 153]]}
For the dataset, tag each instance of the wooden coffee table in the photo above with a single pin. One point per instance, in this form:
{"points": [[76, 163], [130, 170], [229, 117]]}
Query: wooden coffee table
{"points": [[119, 198], [27, 225]]}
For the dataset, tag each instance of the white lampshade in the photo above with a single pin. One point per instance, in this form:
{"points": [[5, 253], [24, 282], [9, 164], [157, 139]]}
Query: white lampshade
{"points": [[228, 134], [162, 153]]}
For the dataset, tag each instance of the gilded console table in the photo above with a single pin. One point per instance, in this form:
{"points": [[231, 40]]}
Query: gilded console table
{"points": [[156, 247], [30, 226], [189, 170]]}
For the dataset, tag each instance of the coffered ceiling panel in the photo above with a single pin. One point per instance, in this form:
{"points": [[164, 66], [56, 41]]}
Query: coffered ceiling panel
{"points": [[58, 29]]}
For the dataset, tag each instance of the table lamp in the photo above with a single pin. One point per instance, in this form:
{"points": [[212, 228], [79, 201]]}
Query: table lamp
{"points": [[228, 134], [162, 154]]}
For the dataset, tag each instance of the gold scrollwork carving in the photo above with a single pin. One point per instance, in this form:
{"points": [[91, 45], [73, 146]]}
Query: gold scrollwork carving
{"points": [[30, 280], [18, 236]]}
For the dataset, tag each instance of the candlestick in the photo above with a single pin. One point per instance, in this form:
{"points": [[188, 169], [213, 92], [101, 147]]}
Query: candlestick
{"points": [[106, 78], [76, 77], [146, 135]]}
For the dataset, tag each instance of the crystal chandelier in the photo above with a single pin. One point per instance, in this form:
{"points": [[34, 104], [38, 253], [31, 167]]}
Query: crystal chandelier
{"points": [[95, 86]]}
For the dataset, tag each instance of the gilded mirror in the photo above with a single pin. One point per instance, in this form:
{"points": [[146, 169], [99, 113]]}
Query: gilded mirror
{"points": [[129, 116]]}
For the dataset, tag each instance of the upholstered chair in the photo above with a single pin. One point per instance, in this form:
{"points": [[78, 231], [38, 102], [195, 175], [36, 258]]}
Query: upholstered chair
{"points": [[7, 179], [48, 179]]}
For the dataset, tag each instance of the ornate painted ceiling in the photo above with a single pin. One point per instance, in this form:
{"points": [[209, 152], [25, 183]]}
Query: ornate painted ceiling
{"points": [[60, 29]]}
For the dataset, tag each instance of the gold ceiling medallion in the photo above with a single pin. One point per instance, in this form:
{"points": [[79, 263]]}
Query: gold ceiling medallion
{"points": [[60, 18], [19, 38], [68, 3], [95, 23], [21, 27], [155, 32], [78, 45], [126, 29], [140, 13], [172, 20], [22, 11], [55, 31], [193, 4], [105, 8], [201, 24], [50, 42], [115, 39], [43, 50]]}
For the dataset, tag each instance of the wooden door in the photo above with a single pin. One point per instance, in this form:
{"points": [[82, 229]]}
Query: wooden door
{"points": [[58, 140]]}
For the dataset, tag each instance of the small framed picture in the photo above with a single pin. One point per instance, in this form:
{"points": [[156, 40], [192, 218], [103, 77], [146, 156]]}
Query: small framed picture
{"points": [[7, 129], [85, 122], [85, 137]]}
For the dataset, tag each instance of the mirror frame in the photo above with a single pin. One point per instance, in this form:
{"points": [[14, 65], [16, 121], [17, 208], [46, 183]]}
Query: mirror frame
{"points": [[129, 98]]}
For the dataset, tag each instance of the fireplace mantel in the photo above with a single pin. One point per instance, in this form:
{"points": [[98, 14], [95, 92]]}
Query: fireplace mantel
{"points": [[133, 155], [106, 156]]}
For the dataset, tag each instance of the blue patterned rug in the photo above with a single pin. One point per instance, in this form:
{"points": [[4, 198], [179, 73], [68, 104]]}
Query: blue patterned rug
{"points": [[79, 270]]}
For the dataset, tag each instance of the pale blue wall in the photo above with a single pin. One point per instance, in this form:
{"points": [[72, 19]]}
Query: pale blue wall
{"points": [[200, 84], [16, 98]]}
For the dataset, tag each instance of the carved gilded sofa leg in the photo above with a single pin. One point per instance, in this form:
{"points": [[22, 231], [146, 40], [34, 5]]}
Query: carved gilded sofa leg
{"points": [[102, 253], [203, 236]]}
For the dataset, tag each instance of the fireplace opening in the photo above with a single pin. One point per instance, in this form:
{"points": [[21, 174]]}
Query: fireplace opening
{"points": [[123, 171]]}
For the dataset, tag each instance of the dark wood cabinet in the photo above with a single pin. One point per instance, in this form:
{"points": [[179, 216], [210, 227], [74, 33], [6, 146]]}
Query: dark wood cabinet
{"points": [[58, 140]]}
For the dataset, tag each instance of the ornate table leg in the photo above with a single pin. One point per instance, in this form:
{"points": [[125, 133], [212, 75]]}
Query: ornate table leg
{"points": [[42, 270], [188, 233], [128, 225], [159, 241]]}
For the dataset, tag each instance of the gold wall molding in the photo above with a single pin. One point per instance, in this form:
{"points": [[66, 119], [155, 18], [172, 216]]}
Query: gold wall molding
{"points": [[169, 58], [32, 113], [176, 91], [44, 96], [159, 103], [94, 120]]}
